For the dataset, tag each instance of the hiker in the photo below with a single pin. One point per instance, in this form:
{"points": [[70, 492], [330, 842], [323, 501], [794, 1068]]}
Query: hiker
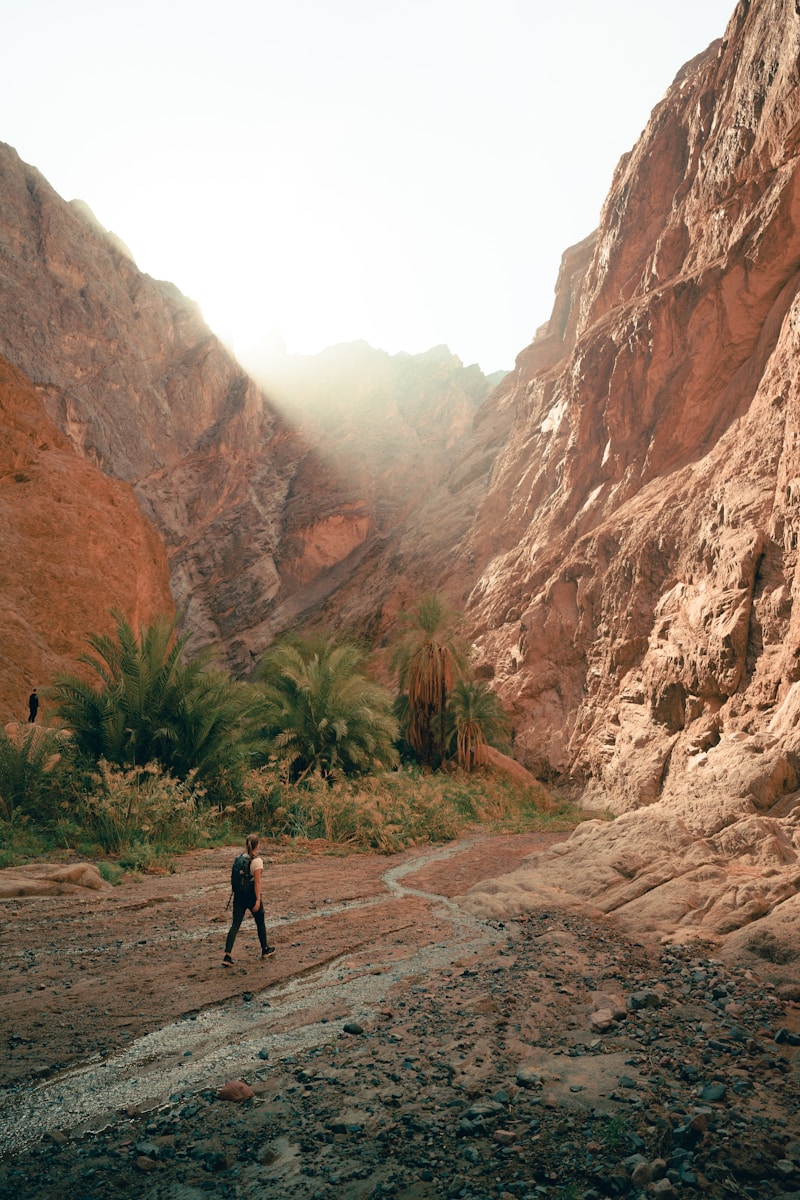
{"points": [[33, 706], [246, 891]]}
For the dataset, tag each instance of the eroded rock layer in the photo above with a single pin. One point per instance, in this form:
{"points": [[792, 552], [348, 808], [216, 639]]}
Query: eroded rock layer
{"points": [[642, 605]]}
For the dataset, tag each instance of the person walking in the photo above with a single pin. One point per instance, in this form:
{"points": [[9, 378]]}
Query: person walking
{"points": [[246, 890], [33, 706]]}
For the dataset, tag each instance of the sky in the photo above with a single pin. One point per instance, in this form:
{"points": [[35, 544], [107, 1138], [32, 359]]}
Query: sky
{"points": [[323, 171]]}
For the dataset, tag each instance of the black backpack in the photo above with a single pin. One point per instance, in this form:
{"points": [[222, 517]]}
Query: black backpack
{"points": [[242, 884]]}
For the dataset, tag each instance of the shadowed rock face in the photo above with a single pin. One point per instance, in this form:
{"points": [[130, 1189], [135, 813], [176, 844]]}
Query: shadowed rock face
{"points": [[260, 527], [398, 453]]}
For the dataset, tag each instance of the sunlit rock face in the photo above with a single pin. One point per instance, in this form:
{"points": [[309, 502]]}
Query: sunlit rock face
{"points": [[642, 615], [73, 545], [638, 545]]}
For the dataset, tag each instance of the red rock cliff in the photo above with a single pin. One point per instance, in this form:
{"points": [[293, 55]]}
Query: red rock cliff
{"points": [[642, 607], [134, 380], [73, 545]]}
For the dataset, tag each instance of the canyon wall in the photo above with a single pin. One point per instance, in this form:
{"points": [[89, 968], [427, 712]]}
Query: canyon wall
{"points": [[619, 518], [641, 612], [74, 546], [638, 544], [129, 374], [392, 433]]}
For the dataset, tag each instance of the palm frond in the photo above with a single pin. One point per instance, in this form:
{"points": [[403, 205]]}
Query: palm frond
{"points": [[316, 702], [149, 705]]}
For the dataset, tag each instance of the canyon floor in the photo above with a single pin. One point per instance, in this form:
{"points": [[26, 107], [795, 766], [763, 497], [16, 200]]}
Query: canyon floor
{"points": [[392, 1047]]}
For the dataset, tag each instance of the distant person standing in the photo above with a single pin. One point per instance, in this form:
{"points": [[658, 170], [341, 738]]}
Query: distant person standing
{"points": [[33, 706]]}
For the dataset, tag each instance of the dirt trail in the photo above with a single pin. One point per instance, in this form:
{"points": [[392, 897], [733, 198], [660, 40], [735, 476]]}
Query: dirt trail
{"points": [[393, 1047], [118, 998]]}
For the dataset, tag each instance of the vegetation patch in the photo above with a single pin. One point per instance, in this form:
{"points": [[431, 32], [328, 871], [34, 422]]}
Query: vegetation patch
{"points": [[156, 754]]}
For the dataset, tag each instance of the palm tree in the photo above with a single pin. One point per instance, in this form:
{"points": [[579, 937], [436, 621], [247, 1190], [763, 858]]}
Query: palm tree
{"points": [[150, 706], [429, 657], [211, 733], [477, 720], [320, 714], [29, 772], [123, 720]]}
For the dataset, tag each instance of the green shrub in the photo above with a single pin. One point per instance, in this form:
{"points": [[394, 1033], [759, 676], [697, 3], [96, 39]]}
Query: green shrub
{"points": [[320, 715], [149, 704], [142, 817], [141, 856], [19, 840], [31, 772], [264, 793], [111, 872], [141, 806], [393, 810]]}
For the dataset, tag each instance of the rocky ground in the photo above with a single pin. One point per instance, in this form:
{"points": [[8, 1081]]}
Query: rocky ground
{"points": [[552, 1057]]}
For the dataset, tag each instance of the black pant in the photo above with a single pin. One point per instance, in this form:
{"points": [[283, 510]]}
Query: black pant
{"points": [[240, 907]]}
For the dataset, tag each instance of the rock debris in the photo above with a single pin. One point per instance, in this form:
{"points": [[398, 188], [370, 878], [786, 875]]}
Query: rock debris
{"points": [[492, 1080]]}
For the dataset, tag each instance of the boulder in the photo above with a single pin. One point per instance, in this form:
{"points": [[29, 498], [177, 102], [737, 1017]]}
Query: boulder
{"points": [[48, 879], [236, 1091]]}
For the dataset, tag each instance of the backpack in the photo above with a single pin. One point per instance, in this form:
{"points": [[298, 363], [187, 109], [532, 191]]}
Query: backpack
{"points": [[242, 884]]}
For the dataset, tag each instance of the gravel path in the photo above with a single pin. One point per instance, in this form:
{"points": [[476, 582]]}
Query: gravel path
{"points": [[441, 1057]]}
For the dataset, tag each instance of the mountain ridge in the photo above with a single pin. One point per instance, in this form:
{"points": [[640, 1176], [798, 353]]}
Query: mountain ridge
{"points": [[257, 518]]}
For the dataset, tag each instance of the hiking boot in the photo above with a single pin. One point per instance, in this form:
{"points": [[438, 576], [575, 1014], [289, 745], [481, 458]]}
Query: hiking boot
{"points": [[227, 961], [268, 953]]}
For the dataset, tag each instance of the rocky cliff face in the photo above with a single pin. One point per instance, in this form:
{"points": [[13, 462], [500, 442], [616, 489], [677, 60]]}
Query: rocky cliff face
{"points": [[643, 599], [642, 613], [397, 446], [132, 377], [392, 424], [74, 546]]}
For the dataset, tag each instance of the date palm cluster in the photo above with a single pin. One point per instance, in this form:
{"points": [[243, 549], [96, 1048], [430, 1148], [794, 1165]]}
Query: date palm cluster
{"points": [[314, 706]]}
